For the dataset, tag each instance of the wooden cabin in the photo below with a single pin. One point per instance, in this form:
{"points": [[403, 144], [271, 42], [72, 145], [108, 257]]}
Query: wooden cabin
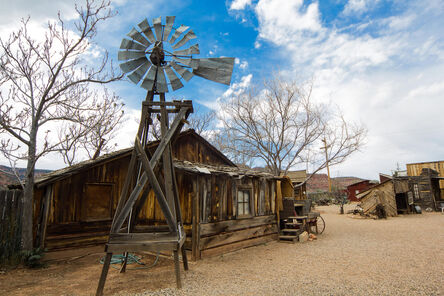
{"points": [[223, 207], [416, 169]]}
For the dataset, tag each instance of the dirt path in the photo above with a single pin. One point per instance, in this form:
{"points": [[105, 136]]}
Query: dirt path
{"points": [[397, 256]]}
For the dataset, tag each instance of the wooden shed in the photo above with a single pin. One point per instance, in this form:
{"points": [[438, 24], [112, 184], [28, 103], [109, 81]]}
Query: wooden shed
{"points": [[224, 207], [382, 193]]}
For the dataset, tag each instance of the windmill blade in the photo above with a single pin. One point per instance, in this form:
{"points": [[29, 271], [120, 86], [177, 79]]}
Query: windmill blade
{"points": [[157, 24], [168, 27], [174, 80], [131, 65], [193, 49], [193, 63], [137, 75], [146, 29], [187, 37], [161, 84], [215, 69], [177, 33], [148, 82], [129, 55], [131, 45], [187, 75], [134, 34]]}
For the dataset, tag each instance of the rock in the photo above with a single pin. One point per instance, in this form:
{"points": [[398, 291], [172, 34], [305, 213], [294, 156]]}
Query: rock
{"points": [[303, 237]]}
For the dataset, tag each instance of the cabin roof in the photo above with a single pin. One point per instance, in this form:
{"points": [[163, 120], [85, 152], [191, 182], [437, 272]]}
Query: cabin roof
{"points": [[364, 193], [207, 169], [297, 176], [68, 171]]}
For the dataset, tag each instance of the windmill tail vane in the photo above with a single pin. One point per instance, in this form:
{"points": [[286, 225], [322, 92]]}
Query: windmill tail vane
{"points": [[156, 57]]}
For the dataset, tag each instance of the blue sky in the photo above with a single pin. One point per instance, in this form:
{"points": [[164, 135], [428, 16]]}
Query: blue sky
{"points": [[381, 62]]}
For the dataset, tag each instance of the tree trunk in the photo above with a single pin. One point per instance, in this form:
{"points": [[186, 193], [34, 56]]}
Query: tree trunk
{"points": [[28, 195]]}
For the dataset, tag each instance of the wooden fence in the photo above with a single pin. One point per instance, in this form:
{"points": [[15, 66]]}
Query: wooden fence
{"points": [[10, 224]]}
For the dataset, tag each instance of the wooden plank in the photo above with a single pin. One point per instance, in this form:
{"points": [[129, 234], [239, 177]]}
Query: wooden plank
{"points": [[140, 247], [46, 205], [105, 269], [195, 237], [208, 198], [240, 235], [207, 229], [238, 245], [134, 237]]}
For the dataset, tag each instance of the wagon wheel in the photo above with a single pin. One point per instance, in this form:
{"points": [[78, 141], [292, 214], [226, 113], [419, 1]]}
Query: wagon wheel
{"points": [[320, 225]]}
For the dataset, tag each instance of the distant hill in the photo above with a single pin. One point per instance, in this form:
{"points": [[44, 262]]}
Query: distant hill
{"points": [[7, 175], [319, 183]]}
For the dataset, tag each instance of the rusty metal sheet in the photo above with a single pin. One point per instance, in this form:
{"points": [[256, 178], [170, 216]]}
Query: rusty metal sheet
{"points": [[177, 33], [174, 80], [168, 27], [215, 69], [193, 49], [161, 84], [135, 35], [129, 55], [133, 64], [157, 24], [137, 75], [148, 82], [187, 37], [193, 63], [187, 75], [131, 45], [146, 29]]}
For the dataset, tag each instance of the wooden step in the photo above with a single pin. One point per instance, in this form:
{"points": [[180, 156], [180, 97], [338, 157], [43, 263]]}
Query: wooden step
{"points": [[288, 238], [291, 230]]}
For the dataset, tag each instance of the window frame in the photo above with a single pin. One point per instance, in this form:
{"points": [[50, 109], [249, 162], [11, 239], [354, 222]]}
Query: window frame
{"points": [[250, 195]]}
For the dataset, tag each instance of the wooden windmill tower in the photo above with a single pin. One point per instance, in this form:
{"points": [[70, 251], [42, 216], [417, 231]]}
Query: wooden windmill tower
{"points": [[147, 56]]}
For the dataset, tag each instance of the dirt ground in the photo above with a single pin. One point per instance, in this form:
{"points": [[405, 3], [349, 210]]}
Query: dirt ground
{"points": [[398, 256]]}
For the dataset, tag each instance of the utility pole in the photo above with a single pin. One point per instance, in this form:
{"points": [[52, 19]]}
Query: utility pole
{"points": [[326, 160]]}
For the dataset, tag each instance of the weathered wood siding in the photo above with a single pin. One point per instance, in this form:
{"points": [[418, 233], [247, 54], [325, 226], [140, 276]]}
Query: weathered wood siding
{"points": [[221, 228], [415, 169], [83, 200]]}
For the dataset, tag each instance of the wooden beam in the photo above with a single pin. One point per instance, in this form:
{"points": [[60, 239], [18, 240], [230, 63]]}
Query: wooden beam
{"points": [[236, 236], [233, 225], [47, 206], [105, 269], [169, 216], [238, 245], [195, 250]]}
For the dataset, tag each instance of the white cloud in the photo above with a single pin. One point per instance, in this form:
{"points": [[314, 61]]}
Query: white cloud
{"points": [[239, 4], [357, 7], [243, 65], [389, 79]]}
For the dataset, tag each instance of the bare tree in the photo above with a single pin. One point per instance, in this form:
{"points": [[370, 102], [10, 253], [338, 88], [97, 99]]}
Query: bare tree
{"points": [[92, 137], [281, 125], [201, 122], [49, 81]]}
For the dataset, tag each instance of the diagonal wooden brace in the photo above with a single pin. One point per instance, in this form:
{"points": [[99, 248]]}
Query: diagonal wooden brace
{"points": [[156, 187], [177, 123]]}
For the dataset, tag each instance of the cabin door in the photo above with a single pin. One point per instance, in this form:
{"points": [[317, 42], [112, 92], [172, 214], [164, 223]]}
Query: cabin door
{"points": [[97, 202]]}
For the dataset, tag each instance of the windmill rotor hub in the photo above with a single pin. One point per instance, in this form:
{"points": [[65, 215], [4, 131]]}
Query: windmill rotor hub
{"points": [[157, 56]]}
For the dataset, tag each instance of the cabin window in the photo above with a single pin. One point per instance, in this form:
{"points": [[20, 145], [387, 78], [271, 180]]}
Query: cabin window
{"points": [[243, 202], [416, 191]]}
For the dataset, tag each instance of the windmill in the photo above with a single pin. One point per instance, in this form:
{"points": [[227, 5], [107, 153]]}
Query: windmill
{"points": [[157, 57]]}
